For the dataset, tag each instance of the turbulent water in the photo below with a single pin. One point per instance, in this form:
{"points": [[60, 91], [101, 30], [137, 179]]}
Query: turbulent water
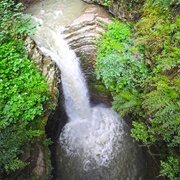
{"points": [[95, 143], [99, 148]]}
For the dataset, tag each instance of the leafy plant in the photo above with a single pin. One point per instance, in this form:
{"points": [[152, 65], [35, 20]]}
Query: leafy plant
{"points": [[105, 2], [22, 87], [23, 91], [143, 133], [162, 107], [126, 102], [141, 70], [170, 167]]}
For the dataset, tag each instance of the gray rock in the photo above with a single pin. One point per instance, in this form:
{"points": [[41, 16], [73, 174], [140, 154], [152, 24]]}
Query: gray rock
{"points": [[46, 66], [82, 35], [83, 32]]}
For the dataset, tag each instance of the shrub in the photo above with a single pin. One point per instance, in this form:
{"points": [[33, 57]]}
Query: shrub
{"points": [[119, 64], [141, 70], [23, 91]]}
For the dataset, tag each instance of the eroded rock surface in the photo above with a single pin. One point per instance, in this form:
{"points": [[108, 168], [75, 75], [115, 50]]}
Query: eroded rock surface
{"points": [[121, 9], [46, 66], [81, 36]]}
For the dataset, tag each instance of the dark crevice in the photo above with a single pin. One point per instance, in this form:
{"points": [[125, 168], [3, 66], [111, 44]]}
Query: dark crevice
{"points": [[56, 122]]}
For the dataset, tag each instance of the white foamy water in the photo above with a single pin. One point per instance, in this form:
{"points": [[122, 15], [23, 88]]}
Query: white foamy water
{"points": [[73, 83], [95, 143], [95, 139], [91, 133], [56, 13]]}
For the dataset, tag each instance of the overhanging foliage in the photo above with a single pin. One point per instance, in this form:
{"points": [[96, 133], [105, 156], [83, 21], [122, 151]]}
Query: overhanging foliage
{"points": [[139, 64]]}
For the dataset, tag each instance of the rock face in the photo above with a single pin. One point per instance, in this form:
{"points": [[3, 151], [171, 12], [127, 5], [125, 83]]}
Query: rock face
{"points": [[82, 33], [121, 9], [38, 158], [81, 36]]}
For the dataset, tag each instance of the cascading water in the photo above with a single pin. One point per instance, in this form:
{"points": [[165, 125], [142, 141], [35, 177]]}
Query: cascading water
{"points": [[95, 143]]}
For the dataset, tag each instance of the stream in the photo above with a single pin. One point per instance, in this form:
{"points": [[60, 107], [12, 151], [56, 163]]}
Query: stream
{"points": [[95, 144]]}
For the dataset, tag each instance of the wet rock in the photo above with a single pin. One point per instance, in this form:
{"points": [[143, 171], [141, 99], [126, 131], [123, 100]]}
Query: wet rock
{"points": [[46, 66], [83, 32]]}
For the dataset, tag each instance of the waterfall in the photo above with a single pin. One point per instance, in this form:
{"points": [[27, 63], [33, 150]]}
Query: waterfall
{"points": [[92, 132], [95, 143], [73, 83], [95, 140]]}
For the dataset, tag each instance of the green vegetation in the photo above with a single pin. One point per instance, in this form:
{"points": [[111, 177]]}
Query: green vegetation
{"points": [[139, 65], [23, 91], [105, 2], [120, 64]]}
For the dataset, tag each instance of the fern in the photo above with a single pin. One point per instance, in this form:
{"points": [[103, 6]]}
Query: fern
{"points": [[167, 123], [170, 167], [159, 98], [126, 102], [143, 132]]}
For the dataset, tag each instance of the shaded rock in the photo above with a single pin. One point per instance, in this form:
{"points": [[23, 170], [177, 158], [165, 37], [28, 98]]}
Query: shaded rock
{"points": [[27, 3], [38, 164]]}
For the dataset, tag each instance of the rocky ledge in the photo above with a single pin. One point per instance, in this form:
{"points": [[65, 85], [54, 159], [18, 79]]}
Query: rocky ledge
{"points": [[83, 32], [121, 9], [47, 68]]}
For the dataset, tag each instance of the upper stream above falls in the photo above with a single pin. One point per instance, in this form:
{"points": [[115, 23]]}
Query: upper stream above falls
{"points": [[54, 15], [95, 144]]}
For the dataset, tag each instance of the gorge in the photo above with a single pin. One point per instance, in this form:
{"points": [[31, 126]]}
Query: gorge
{"points": [[95, 143]]}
